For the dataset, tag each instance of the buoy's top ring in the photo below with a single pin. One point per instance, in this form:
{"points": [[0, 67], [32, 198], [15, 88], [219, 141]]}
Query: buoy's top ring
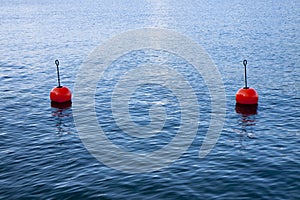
{"points": [[56, 62], [245, 62]]}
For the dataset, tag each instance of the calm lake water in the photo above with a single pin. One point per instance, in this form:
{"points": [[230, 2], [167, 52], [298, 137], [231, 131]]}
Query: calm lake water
{"points": [[257, 155]]}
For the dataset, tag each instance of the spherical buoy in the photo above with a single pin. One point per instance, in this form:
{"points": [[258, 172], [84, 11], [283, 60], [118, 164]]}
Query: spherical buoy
{"points": [[246, 95], [60, 94]]}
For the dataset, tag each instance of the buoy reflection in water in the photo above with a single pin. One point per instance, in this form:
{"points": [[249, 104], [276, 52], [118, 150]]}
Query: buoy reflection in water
{"points": [[62, 116], [247, 122]]}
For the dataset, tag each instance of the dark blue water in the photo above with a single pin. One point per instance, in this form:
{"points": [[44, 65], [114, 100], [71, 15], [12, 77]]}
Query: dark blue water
{"points": [[256, 156]]}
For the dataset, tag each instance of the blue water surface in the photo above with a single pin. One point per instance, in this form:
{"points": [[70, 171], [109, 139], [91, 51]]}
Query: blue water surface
{"points": [[257, 154]]}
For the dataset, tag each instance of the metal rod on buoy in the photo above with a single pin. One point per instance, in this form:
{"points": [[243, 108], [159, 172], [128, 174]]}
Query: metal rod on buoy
{"points": [[60, 96], [57, 69], [245, 64], [246, 95]]}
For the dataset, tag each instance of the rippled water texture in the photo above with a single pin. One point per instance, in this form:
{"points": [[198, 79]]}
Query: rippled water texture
{"points": [[257, 154]]}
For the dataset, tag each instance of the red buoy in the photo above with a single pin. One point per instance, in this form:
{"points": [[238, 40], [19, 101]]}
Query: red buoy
{"points": [[246, 95], [60, 94]]}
